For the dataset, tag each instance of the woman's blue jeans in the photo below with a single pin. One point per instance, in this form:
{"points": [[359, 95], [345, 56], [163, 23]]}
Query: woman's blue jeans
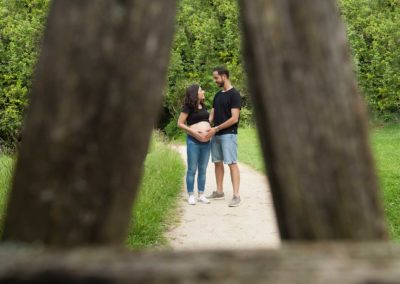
{"points": [[198, 156]]}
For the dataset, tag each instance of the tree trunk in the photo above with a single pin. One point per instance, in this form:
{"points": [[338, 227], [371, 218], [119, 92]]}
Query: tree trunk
{"points": [[96, 96], [311, 121]]}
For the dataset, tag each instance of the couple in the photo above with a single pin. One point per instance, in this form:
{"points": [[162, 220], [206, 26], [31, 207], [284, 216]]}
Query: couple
{"points": [[220, 140]]}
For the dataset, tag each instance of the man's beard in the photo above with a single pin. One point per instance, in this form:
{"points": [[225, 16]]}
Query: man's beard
{"points": [[221, 84]]}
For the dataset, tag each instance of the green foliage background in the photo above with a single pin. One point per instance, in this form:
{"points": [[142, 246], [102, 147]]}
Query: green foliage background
{"points": [[207, 35], [373, 29], [21, 25]]}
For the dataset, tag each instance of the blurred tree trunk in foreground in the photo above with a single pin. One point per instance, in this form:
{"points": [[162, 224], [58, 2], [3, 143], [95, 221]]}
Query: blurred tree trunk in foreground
{"points": [[311, 121], [96, 96]]}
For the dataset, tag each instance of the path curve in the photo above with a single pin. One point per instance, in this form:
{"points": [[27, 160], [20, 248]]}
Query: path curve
{"points": [[217, 226]]}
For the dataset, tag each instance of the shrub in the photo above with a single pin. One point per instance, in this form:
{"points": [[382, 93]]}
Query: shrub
{"points": [[374, 35], [246, 118], [21, 24], [172, 130]]}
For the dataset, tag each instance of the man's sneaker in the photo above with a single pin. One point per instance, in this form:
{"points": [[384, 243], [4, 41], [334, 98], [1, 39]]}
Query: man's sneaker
{"points": [[235, 201], [216, 195], [203, 199], [192, 200]]}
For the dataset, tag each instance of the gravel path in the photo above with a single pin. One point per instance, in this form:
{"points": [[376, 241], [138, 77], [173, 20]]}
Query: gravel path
{"points": [[217, 226]]}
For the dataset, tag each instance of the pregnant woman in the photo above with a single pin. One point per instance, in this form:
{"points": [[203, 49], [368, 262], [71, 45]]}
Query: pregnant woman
{"points": [[195, 120]]}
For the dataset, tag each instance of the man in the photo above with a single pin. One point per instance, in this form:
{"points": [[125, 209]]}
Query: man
{"points": [[225, 115]]}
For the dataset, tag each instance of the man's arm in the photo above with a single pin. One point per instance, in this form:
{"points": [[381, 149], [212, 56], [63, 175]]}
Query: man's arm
{"points": [[231, 121]]}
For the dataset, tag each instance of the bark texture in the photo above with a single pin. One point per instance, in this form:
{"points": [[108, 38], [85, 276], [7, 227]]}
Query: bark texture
{"points": [[96, 96], [325, 263], [311, 121]]}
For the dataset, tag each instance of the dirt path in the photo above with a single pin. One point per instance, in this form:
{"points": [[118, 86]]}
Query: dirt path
{"points": [[215, 225]]}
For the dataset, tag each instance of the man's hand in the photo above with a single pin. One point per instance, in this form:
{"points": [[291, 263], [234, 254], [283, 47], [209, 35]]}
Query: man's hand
{"points": [[211, 132]]}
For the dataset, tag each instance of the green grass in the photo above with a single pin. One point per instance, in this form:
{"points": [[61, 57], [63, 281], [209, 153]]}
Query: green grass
{"points": [[155, 207], [6, 165], [386, 149], [249, 151]]}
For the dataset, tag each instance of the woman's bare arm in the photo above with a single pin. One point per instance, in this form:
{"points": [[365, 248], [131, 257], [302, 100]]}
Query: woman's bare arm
{"points": [[182, 125], [211, 117]]}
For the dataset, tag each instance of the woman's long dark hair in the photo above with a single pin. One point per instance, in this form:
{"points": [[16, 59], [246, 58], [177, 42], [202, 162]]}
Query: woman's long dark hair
{"points": [[192, 97]]}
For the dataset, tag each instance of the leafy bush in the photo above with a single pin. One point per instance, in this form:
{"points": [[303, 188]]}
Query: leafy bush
{"points": [[374, 35], [21, 24], [172, 130], [246, 118]]}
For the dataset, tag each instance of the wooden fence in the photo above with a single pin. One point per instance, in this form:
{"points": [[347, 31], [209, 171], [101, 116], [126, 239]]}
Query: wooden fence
{"points": [[95, 97]]}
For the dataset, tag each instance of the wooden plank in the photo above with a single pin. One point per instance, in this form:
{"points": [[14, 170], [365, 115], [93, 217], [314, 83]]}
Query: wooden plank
{"points": [[294, 263]]}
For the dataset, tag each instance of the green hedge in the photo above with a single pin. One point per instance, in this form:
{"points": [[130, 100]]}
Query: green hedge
{"points": [[207, 35], [374, 35], [21, 24]]}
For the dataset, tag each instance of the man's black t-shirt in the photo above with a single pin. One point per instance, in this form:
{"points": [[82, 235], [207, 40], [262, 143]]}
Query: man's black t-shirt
{"points": [[195, 116], [222, 104]]}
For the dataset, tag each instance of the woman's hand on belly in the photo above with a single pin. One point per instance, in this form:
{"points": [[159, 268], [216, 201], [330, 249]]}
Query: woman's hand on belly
{"points": [[201, 136], [200, 130]]}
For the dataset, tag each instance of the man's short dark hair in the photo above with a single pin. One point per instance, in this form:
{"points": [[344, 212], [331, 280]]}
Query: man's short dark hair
{"points": [[221, 71]]}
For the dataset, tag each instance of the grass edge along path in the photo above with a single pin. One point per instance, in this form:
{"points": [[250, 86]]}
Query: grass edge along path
{"points": [[155, 208], [249, 150]]}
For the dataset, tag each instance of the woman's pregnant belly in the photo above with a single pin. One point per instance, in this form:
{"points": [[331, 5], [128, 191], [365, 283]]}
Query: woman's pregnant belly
{"points": [[201, 127]]}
